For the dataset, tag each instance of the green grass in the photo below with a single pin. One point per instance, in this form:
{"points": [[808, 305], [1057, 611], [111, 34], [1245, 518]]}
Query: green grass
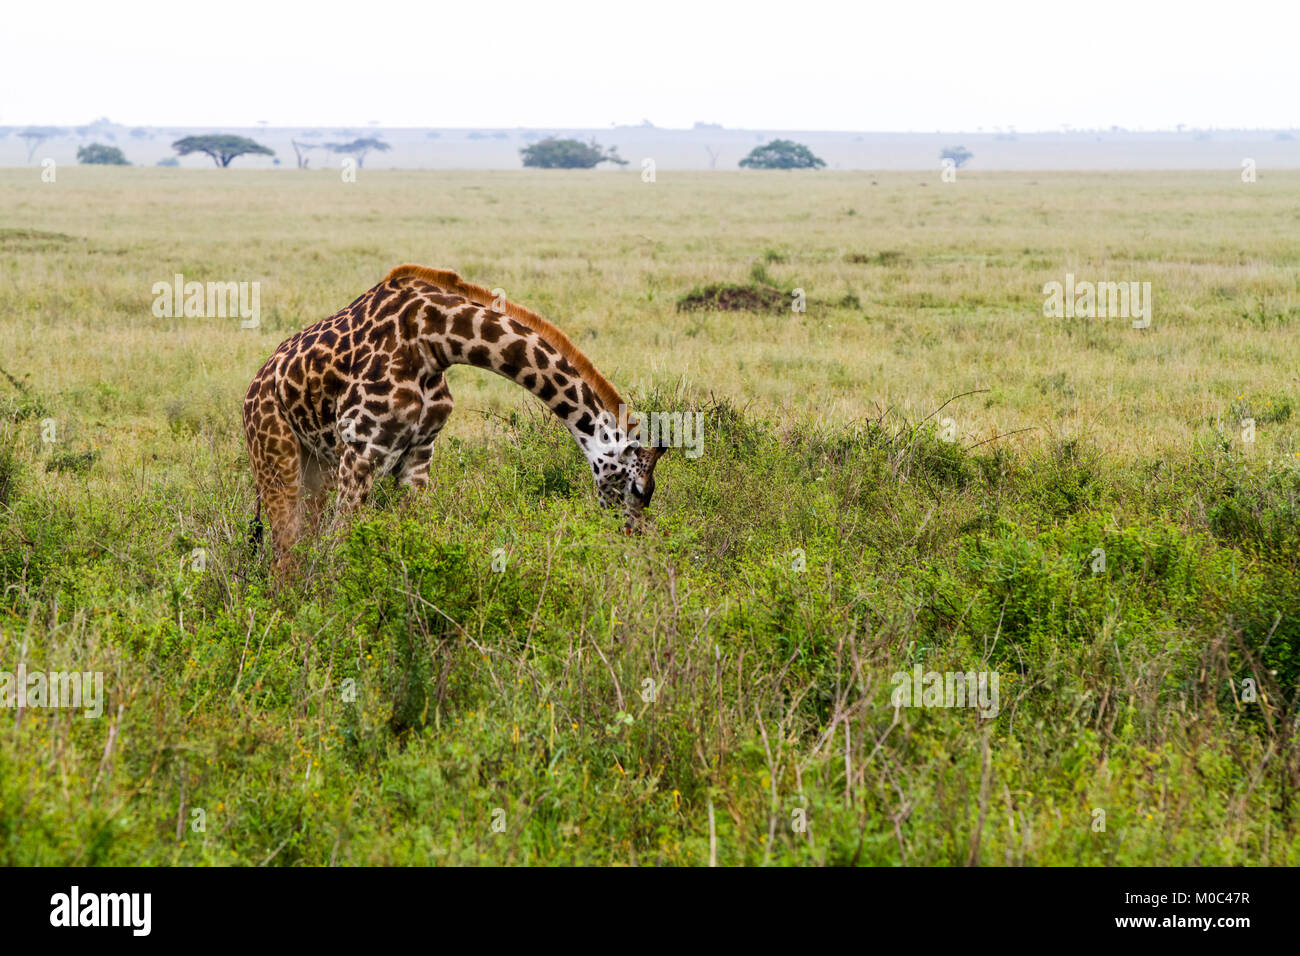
{"points": [[492, 651]]}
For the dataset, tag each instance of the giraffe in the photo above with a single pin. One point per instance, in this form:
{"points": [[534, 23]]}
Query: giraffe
{"points": [[362, 394]]}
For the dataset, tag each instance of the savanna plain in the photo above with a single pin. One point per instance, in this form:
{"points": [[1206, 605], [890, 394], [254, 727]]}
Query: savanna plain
{"points": [[920, 470]]}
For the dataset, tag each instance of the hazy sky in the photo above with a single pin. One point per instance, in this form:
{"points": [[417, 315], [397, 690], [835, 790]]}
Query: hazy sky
{"points": [[918, 65]]}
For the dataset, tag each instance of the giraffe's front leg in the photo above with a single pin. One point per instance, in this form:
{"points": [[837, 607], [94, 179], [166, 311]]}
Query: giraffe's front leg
{"points": [[414, 469], [357, 472]]}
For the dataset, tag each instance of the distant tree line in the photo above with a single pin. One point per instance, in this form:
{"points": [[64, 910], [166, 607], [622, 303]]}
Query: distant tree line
{"points": [[550, 152]]}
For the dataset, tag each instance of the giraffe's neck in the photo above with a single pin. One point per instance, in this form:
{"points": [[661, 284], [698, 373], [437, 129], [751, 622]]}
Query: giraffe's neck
{"points": [[475, 335]]}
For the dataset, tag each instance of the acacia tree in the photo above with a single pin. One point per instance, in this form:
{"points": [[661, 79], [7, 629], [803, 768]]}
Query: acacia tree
{"points": [[359, 148], [300, 150], [35, 135], [97, 154], [959, 155], [781, 154], [221, 147], [552, 153]]}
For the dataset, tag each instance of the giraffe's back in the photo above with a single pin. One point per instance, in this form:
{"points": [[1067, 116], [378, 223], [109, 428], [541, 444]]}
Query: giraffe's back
{"points": [[348, 376]]}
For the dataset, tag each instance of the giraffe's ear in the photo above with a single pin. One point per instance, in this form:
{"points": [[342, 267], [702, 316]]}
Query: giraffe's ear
{"points": [[656, 453]]}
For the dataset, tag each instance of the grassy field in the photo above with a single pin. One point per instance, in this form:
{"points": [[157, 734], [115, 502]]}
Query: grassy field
{"points": [[488, 673]]}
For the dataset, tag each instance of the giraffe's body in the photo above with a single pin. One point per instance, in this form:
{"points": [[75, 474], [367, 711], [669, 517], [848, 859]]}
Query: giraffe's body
{"points": [[362, 394]]}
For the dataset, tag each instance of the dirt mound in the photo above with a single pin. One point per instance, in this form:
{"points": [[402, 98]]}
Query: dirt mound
{"points": [[729, 297], [889, 257]]}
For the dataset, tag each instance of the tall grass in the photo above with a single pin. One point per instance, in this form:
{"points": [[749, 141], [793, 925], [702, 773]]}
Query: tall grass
{"points": [[486, 672]]}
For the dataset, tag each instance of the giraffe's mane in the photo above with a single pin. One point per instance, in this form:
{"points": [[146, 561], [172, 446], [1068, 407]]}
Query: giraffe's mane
{"points": [[450, 282]]}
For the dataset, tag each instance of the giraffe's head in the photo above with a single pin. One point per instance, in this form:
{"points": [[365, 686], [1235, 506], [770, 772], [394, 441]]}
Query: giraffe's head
{"points": [[625, 478]]}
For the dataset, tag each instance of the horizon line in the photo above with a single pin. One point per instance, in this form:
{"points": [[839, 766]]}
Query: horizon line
{"points": [[372, 125]]}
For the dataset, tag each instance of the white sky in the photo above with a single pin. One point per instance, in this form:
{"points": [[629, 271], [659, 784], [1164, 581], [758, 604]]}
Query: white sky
{"points": [[919, 65]]}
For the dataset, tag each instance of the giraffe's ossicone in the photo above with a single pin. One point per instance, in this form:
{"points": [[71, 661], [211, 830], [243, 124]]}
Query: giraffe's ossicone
{"points": [[362, 394]]}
